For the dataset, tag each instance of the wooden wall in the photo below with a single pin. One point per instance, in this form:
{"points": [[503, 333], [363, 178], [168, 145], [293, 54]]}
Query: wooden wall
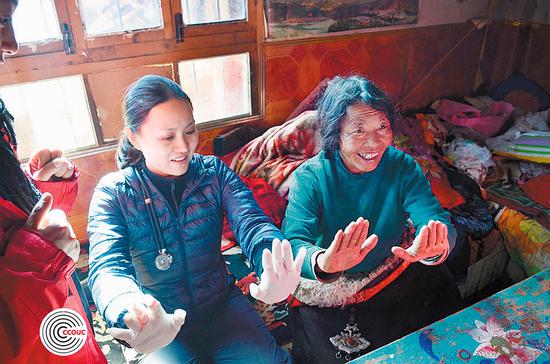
{"points": [[414, 65], [514, 47]]}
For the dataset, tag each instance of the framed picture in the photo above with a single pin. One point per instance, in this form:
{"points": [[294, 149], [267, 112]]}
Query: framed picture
{"points": [[306, 18]]}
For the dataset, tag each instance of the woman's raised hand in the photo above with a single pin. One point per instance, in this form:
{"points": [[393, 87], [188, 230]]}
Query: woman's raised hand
{"points": [[46, 164], [348, 248], [150, 328], [281, 273], [431, 242]]}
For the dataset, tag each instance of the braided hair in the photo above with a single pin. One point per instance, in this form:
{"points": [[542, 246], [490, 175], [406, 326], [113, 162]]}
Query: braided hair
{"points": [[15, 186]]}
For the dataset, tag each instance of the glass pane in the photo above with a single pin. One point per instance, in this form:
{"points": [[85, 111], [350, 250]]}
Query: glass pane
{"points": [[219, 87], [51, 113], [212, 11], [35, 21], [102, 17]]}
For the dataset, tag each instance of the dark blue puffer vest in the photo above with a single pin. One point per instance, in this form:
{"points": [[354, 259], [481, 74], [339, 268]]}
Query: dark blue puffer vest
{"points": [[123, 248]]}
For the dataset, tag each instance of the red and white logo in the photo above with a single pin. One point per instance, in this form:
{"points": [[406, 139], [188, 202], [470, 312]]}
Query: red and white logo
{"points": [[63, 332]]}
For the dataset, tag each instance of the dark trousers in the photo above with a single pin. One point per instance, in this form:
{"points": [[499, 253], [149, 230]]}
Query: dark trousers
{"points": [[419, 297], [231, 333]]}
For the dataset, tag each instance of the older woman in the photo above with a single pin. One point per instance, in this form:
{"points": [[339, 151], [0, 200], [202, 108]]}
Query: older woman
{"points": [[358, 181]]}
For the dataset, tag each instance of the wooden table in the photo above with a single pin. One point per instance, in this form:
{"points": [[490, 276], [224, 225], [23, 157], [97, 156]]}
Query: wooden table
{"points": [[511, 326]]}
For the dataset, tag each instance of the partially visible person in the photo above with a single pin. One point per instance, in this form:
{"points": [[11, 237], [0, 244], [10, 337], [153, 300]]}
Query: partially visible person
{"points": [[38, 249], [360, 181]]}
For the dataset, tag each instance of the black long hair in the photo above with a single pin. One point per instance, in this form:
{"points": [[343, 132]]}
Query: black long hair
{"points": [[15, 186], [143, 95]]}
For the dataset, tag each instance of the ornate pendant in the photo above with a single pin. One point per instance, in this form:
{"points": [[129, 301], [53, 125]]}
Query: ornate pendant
{"points": [[164, 260], [349, 341]]}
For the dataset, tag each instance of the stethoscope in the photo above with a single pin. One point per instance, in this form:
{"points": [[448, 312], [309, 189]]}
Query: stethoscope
{"points": [[164, 260]]}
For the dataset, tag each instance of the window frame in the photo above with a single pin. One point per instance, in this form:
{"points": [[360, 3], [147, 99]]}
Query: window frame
{"points": [[144, 48], [50, 46], [128, 37]]}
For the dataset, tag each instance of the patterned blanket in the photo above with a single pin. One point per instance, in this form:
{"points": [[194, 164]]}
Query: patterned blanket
{"points": [[277, 153], [513, 197]]}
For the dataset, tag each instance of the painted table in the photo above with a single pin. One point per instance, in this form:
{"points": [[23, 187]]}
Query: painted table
{"points": [[510, 327]]}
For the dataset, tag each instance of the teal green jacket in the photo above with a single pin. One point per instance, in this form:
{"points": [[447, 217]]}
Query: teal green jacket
{"points": [[325, 197]]}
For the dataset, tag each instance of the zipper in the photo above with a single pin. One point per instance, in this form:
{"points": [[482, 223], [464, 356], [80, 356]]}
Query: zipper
{"points": [[182, 244], [175, 216]]}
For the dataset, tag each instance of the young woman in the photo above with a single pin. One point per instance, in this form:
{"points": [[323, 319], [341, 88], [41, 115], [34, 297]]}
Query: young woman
{"points": [[38, 250], [357, 180], [155, 230]]}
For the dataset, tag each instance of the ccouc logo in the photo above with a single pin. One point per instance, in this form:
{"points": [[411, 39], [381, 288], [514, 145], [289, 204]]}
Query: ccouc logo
{"points": [[63, 332]]}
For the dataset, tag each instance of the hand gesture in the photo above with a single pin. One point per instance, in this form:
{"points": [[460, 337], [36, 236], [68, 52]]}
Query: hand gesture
{"points": [[348, 248], [150, 328], [46, 164], [432, 241], [281, 273], [53, 225]]}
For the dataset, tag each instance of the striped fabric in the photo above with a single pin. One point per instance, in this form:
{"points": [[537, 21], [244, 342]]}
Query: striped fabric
{"points": [[533, 146]]}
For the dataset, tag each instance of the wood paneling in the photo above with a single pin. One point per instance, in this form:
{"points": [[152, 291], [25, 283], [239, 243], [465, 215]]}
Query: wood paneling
{"points": [[537, 63], [517, 47], [107, 89], [413, 65]]}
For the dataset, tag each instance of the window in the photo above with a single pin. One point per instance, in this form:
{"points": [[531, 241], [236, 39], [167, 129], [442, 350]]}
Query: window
{"points": [[118, 16], [42, 16], [45, 35], [219, 87], [212, 11], [51, 113], [83, 54]]}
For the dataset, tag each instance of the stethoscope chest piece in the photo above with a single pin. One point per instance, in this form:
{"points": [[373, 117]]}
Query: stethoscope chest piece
{"points": [[164, 260]]}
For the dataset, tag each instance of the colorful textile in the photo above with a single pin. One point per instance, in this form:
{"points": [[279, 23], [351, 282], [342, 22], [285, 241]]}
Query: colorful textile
{"points": [[487, 123], [527, 241], [532, 146], [435, 132], [528, 139], [510, 326], [512, 197], [274, 155], [469, 158], [410, 137], [538, 189], [530, 170]]}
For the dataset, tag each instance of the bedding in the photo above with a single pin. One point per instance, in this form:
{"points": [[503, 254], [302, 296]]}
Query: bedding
{"points": [[527, 241]]}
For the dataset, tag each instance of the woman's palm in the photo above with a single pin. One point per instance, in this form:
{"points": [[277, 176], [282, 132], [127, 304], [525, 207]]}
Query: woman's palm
{"points": [[348, 248]]}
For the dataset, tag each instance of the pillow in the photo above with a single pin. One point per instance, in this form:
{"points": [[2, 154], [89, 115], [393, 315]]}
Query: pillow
{"points": [[488, 124], [526, 240], [533, 146], [538, 189]]}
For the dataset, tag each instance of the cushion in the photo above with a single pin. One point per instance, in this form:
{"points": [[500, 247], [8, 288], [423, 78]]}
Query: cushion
{"points": [[538, 189], [488, 124]]}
